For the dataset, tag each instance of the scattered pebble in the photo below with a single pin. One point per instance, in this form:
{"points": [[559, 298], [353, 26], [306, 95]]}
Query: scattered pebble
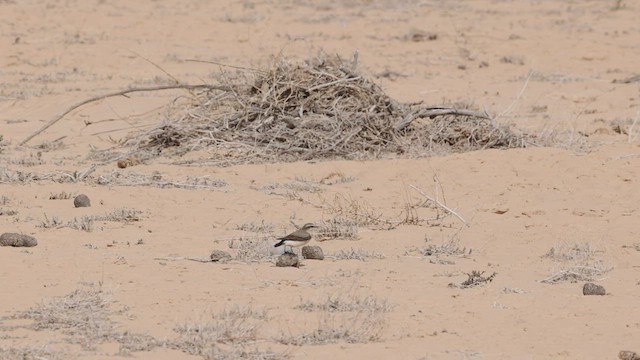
{"points": [[220, 256], [288, 259], [313, 252], [130, 161], [14, 239], [82, 200], [593, 289]]}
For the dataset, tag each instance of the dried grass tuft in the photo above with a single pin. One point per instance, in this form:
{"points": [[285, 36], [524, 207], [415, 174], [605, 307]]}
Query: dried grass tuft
{"points": [[84, 317], [363, 326], [355, 254], [236, 328], [579, 262], [345, 303]]}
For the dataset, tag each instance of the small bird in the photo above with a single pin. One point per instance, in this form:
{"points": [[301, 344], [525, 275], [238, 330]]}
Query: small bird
{"points": [[296, 238]]}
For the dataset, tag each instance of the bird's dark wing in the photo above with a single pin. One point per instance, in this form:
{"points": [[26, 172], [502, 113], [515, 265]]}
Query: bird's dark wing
{"points": [[299, 235]]}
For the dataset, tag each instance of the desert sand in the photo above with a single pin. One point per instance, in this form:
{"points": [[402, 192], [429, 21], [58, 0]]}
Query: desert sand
{"points": [[130, 286]]}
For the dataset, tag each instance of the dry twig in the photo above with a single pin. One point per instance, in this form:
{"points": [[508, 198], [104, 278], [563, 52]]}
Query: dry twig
{"points": [[117, 93]]}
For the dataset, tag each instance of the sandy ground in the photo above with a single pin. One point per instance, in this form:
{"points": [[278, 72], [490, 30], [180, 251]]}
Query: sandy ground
{"points": [[546, 66]]}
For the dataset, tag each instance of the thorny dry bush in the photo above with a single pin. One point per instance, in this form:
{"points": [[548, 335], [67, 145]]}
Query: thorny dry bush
{"points": [[578, 261], [322, 108]]}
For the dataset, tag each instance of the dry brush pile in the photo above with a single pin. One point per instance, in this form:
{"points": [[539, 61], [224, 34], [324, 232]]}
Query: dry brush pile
{"points": [[322, 108]]}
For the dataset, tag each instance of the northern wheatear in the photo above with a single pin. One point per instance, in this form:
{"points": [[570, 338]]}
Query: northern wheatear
{"points": [[297, 238]]}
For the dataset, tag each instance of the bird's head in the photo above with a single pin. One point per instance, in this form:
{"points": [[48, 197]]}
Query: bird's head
{"points": [[308, 226]]}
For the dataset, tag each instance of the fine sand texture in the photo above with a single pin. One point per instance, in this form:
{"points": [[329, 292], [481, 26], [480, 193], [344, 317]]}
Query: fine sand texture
{"points": [[432, 248]]}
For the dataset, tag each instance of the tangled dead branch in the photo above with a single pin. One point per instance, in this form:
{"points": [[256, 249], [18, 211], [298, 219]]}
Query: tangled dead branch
{"points": [[318, 109]]}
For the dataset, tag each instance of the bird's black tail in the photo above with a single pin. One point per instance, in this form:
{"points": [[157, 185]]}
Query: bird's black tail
{"points": [[279, 244]]}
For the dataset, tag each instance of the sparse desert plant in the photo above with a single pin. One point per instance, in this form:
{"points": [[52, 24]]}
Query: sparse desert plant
{"points": [[475, 278], [156, 179], [63, 195], [589, 271], [360, 326], [635, 246], [355, 254], [84, 317], [61, 177], [292, 190], [357, 212], [49, 223], [236, 327], [450, 247], [578, 263], [337, 178], [338, 228], [33, 353], [26, 161], [251, 248], [252, 226], [85, 223], [346, 303], [566, 251], [4, 212], [120, 215]]}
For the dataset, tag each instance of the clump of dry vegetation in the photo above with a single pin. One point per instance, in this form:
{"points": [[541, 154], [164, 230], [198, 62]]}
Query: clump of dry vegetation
{"points": [[256, 247], [579, 262], [112, 178], [351, 211], [361, 326], [355, 254], [156, 179], [292, 190], [236, 328], [86, 223], [347, 317], [83, 317], [475, 278], [252, 226], [338, 228], [449, 248], [345, 303], [322, 108], [32, 353], [63, 195]]}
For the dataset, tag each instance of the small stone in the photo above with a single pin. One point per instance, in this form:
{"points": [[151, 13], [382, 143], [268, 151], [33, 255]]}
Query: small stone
{"points": [[130, 161], [593, 289], [82, 200], [628, 355], [288, 259], [313, 252], [14, 239], [220, 256]]}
